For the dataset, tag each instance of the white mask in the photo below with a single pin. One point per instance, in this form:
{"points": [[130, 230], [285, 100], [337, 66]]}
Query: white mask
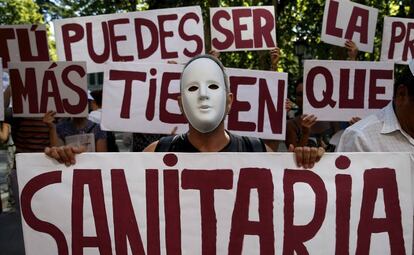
{"points": [[203, 94]]}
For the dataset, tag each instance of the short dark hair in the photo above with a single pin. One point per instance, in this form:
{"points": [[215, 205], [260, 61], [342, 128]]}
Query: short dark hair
{"points": [[407, 79], [97, 96]]}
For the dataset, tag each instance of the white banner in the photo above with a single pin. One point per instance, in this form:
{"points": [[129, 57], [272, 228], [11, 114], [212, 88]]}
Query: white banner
{"points": [[340, 90], [397, 40], [346, 20], [39, 87], [243, 28], [23, 43], [143, 98], [155, 36], [216, 203]]}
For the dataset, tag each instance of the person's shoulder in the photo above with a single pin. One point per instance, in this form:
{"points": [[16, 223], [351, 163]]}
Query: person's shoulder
{"points": [[151, 147], [248, 143], [165, 143]]}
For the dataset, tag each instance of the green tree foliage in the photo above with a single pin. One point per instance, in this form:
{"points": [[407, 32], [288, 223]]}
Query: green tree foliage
{"points": [[19, 12]]}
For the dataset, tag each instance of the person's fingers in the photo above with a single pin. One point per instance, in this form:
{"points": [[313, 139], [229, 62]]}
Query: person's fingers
{"points": [[70, 156], [305, 157], [299, 156], [62, 155], [52, 152], [319, 154], [313, 156], [291, 148]]}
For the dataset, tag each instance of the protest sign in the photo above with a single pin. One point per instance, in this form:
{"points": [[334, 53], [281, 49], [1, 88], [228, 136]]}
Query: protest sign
{"points": [[397, 43], [1, 94], [155, 36], [143, 98], [346, 20], [39, 87], [216, 203], [340, 90], [243, 28], [23, 43]]}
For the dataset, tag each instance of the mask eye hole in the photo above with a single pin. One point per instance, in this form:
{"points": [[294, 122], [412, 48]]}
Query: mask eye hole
{"points": [[192, 88], [213, 86]]}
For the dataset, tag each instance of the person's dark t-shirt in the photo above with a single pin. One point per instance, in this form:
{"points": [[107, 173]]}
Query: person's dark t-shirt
{"points": [[180, 143]]}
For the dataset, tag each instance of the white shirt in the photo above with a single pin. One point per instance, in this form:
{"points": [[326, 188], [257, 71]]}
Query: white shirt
{"points": [[380, 132], [95, 116]]}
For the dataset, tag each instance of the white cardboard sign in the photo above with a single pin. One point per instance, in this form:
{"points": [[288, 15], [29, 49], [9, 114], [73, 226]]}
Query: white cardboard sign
{"points": [[39, 87], [340, 90], [346, 20], [243, 28], [26, 43], [216, 203], [143, 98], [155, 36], [397, 40]]}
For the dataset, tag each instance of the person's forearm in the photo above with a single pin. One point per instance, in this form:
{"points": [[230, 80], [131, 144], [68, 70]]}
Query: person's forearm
{"points": [[305, 137], [53, 137]]}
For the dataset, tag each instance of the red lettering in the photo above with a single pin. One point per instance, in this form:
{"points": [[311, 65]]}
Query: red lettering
{"points": [[343, 185], [29, 190], [359, 89], [238, 28], [149, 113], [275, 113], [93, 179], [26, 91], [240, 106], [409, 44], [197, 39], [24, 45], [215, 22], [396, 38], [105, 37], [115, 39], [331, 28], [50, 78], [153, 215], [172, 212], [164, 34], [166, 116], [77, 34], [152, 47], [260, 179], [128, 77], [374, 180], [374, 90], [263, 31], [327, 93], [207, 181], [125, 223], [83, 98], [295, 236], [354, 28], [5, 35]]}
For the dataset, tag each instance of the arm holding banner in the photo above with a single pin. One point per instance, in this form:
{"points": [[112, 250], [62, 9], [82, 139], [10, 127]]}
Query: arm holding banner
{"points": [[352, 50], [49, 119], [4, 132], [274, 58]]}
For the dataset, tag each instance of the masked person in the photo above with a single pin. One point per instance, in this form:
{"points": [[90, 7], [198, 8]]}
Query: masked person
{"points": [[205, 100]]}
